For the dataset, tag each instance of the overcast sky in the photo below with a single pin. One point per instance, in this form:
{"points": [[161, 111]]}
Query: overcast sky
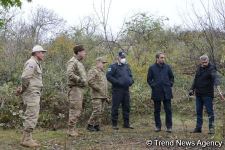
{"points": [[74, 10]]}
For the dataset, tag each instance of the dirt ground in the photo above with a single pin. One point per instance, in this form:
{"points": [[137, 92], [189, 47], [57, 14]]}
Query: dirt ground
{"points": [[123, 139]]}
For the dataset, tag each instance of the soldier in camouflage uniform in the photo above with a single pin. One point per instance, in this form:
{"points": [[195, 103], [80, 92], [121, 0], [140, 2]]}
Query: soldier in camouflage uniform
{"points": [[99, 93], [31, 92], [77, 80]]}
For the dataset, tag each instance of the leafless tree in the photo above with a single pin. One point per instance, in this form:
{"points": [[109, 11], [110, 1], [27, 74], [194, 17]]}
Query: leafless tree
{"points": [[19, 33], [211, 23], [111, 39], [44, 23]]}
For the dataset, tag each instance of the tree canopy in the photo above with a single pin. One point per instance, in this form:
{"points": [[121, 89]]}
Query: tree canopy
{"points": [[11, 3]]}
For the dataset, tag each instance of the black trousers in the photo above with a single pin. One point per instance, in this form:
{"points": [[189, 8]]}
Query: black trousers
{"points": [[168, 111], [120, 96]]}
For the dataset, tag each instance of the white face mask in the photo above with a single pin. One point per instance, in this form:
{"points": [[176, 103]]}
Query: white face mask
{"points": [[123, 60]]}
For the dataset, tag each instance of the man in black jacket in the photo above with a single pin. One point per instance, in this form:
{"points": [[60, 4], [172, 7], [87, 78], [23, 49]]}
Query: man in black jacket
{"points": [[120, 76], [203, 86], [160, 78]]}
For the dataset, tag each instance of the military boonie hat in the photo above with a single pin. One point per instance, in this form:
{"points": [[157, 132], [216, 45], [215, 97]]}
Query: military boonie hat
{"points": [[121, 54], [101, 59], [38, 48]]}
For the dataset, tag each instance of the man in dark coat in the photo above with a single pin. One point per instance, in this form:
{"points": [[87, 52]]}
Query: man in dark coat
{"points": [[203, 87], [160, 78], [120, 76]]}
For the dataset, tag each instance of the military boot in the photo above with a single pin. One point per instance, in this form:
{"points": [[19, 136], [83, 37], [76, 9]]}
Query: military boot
{"points": [[91, 128], [27, 140], [97, 128], [23, 137], [72, 132]]}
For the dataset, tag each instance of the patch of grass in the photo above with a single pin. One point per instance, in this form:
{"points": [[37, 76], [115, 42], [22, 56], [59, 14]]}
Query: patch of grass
{"points": [[110, 139]]}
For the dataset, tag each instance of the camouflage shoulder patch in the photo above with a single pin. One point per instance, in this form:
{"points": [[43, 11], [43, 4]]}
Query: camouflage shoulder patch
{"points": [[30, 66]]}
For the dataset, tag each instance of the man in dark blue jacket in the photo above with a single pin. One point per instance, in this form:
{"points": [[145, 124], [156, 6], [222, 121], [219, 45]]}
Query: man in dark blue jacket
{"points": [[203, 87], [160, 78], [120, 76]]}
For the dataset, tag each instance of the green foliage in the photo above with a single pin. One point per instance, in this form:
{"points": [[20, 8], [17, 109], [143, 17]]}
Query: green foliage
{"points": [[7, 4], [11, 107], [2, 22], [142, 37], [144, 30], [144, 25], [10, 3]]}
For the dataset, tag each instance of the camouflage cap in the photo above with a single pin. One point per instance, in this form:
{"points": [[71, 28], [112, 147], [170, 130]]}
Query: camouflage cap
{"points": [[101, 59]]}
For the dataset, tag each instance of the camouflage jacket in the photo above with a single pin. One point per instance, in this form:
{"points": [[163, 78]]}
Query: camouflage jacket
{"points": [[98, 83], [32, 75], [76, 74]]}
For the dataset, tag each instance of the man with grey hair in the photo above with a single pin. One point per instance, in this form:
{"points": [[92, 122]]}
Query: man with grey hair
{"points": [[203, 87], [204, 58]]}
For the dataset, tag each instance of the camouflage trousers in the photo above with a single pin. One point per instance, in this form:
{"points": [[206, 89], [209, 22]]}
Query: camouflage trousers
{"points": [[98, 107], [31, 99], [75, 96]]}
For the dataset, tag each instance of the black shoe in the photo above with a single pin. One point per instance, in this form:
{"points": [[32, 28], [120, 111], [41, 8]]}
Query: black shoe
{"points": [[97, 128], [91, 128], [197, 130], [128, 127], [169, 130], [157, 129], [211, 131], [115, 128]]}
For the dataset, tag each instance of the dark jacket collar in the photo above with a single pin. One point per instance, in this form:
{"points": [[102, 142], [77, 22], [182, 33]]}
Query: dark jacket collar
{"points": [[160, 65], [207, 67]]}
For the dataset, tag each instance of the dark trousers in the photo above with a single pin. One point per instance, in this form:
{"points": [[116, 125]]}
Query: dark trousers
{"points": [[120, 96], [168, 111], [200, 102]]}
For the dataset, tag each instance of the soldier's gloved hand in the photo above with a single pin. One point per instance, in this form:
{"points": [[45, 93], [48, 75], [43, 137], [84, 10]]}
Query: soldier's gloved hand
{"points": [[191, 92], [18, 91], [83, 82], [108, 100]]}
